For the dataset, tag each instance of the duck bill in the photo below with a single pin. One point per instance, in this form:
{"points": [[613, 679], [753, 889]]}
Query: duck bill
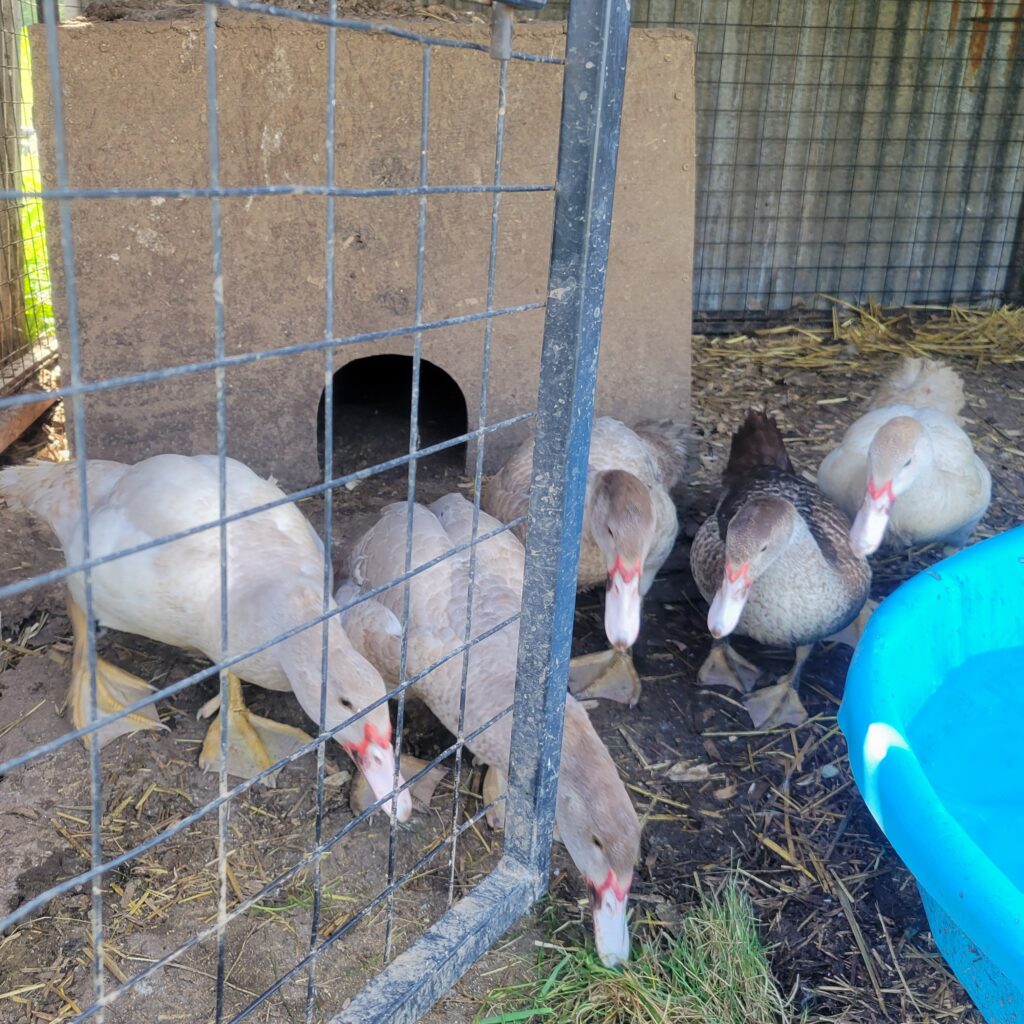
{"points": [[376, 760], [871, 522], [622, 608], [727, 607], [611, 931]]}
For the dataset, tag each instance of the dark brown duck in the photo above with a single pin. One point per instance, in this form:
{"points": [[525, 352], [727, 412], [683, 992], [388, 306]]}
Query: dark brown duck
{"points": [[776, 565]]}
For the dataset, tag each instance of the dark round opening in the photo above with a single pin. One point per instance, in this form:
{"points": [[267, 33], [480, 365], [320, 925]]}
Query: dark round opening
{"points": [[372, 402]]}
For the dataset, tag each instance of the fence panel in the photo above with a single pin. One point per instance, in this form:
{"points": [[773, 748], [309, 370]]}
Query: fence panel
{"points": [[594, 74]]}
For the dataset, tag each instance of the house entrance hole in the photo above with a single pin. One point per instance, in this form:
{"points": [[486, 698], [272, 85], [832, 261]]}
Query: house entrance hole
{"points": [[372, 401]]}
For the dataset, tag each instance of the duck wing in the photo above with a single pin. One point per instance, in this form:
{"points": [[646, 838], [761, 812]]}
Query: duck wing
{"points": [[923, 384], [667, 442]]}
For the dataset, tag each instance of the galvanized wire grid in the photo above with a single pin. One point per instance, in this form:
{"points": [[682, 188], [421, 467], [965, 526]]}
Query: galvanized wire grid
{"points": [[870, 149], [26, 316], [595, 68]]}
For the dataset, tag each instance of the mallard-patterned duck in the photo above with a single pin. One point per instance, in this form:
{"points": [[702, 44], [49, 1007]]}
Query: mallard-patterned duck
{"points": [[776, 564], [906, 470], [629, 528], [171, 593]]}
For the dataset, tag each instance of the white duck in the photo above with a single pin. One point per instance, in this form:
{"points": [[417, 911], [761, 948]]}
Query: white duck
{"points": [[907, 466], [594, 816], [629, 528], [171, 593]]}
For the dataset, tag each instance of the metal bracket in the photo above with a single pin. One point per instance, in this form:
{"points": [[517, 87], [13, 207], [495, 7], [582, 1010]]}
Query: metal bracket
{"points": [[501, 24]]}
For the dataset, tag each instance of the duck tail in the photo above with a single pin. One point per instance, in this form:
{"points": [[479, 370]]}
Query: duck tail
{"points": [[670, 442], [757, 443], [923, 383], [44, 488]]}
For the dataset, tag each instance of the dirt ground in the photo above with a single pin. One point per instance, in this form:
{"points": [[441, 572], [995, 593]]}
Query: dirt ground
{"points": [[842, 913], [156, 10]]}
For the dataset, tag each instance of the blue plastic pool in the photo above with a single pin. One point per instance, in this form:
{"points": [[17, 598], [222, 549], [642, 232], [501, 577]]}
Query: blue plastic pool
{"points": [[934, 717]]}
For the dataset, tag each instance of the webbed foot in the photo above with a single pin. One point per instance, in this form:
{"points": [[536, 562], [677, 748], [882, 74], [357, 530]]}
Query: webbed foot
{"points": [[254, 742], [726, 667], [605, 675]]}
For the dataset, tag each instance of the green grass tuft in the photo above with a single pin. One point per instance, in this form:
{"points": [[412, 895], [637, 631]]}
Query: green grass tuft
{"points": [[300, 897], [715, 971]]}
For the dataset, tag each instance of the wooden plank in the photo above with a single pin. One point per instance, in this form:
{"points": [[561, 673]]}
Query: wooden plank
{"points": [[15, 420]]}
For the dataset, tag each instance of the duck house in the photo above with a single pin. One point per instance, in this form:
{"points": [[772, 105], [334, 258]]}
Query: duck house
{"points": [[135, 114]]}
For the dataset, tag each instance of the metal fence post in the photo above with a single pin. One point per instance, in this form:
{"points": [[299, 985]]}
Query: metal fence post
{"points": [[595, 75]]}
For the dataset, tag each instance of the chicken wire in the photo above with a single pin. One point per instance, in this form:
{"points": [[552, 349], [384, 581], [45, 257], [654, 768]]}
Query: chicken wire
{"points": [[594, 70]]}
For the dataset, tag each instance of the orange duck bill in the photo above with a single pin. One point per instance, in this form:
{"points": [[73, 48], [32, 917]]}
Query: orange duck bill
{"points": [[872, 519], [727, 607], [622, 604], [376, 760], [608, 902]]}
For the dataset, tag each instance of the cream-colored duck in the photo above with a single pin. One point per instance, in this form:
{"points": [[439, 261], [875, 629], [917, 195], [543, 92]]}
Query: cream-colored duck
{"points": [[906, 470], [776, 564], [629, 528], [171, 593], [594, 816]]}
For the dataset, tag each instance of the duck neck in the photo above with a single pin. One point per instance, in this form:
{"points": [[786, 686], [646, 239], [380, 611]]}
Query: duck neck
{"points": [[301, 655]]}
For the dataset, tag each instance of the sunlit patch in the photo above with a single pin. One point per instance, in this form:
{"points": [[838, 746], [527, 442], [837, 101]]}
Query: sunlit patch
{"points": [[879, 740]]}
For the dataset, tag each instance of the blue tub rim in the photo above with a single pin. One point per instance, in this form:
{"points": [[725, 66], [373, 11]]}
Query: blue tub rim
{"points": [[943, 857]]}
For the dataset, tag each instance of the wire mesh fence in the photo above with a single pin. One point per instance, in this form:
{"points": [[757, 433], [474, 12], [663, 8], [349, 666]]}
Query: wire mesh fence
{"points": [[26, 315], [859, 150], [196, 567], [854, 150]]}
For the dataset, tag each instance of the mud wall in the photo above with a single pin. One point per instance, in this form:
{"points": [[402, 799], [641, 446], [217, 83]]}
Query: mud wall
{"points": [[135, 102]]}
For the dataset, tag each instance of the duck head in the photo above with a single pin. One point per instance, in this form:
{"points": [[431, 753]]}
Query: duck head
{"points": [[353, 685], [896, 456], [621, 520], [599, 827], [754, 538], [375, 757]]}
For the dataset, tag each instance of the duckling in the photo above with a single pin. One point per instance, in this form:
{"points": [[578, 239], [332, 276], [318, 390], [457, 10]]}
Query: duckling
{"points": [[776, 564], [906, 470], [629, 528]]}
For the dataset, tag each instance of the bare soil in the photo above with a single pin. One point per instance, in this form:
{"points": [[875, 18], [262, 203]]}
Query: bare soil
{"points": [[391, 10], [849, 937]]}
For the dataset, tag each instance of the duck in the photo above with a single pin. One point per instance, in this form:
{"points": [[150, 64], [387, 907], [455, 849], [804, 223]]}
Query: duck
{"points": [[906, 471], [629, 528], [594, 816], [171, 593], [776, 564]]}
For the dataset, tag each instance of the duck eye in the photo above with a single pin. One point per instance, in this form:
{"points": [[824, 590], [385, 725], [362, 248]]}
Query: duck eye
{"points": [[347, 704], [764, 547], [908, 462], [597, 842]]}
